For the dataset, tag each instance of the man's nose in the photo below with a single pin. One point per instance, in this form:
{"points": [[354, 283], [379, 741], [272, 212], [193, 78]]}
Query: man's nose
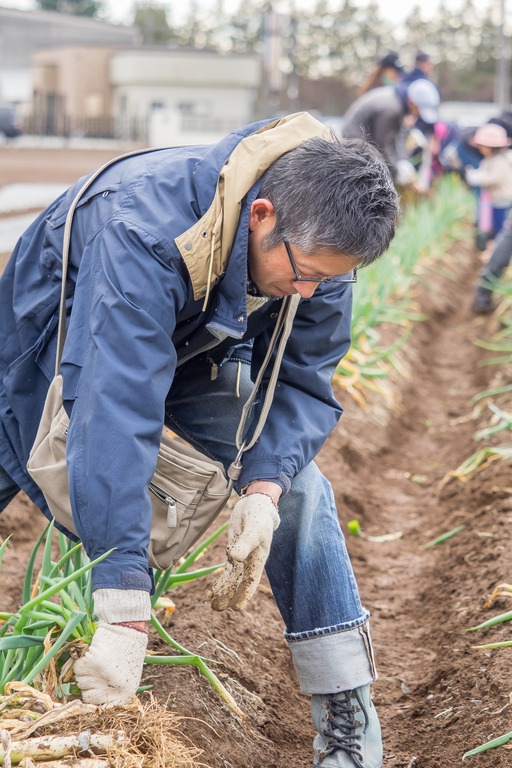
{"points": [[305, 290]]}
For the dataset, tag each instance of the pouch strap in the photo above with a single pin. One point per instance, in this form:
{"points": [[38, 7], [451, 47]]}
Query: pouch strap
{"points": [[283, 329]]}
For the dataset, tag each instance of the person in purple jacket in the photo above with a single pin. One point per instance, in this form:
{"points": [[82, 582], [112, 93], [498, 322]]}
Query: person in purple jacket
{"points": [[179, 262]]}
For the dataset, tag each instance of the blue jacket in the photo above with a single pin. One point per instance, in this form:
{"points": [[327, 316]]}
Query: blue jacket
{"points": [[134, 310], [415, 74]]}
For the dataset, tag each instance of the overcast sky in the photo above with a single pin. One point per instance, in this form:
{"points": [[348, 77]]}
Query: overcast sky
{"points": [[120, 11]]}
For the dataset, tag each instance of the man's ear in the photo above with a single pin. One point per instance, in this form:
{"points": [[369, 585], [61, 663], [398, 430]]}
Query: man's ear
{"points": [[261, 210]]}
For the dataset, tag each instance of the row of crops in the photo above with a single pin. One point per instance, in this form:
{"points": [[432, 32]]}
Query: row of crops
{"points": [[54, 623], [494, 437], [386, 292], [493, 409], [386, 296]]}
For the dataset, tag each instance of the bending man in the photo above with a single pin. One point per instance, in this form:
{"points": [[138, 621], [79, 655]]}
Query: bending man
{"points": [[179, 261]]}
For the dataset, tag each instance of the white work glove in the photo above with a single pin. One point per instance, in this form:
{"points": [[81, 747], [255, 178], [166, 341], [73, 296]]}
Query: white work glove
{"points": [[111, 670], [405, 173], [253, 521], [472, 176]]}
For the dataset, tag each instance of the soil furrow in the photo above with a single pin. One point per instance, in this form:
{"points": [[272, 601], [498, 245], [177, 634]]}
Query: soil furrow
{"points": [[407, 587]]}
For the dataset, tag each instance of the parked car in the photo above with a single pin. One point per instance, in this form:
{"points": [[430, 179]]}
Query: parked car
{"points": [[9, 126]]}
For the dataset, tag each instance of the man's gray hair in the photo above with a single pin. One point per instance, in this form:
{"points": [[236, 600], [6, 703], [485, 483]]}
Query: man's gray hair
{"points": [[336, 195]]}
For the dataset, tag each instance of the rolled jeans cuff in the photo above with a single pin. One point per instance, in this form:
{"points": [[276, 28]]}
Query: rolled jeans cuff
{"points": [[330, 662]]}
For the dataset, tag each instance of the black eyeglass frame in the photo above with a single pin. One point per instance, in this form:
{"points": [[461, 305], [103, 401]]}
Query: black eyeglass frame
{"points": [[334, 279]]}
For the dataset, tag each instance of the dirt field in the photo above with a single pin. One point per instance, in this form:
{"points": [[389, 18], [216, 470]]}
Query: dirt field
{"points": [[437, 695]]}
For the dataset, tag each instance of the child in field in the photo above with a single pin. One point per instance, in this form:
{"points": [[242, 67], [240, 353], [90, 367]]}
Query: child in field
{"points": [[494, 173]]}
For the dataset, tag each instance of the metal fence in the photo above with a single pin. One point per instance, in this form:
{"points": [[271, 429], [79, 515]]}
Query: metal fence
{"points": [[51, 123]]}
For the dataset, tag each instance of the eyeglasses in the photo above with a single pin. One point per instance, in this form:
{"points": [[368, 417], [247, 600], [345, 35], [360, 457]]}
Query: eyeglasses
{"points": [[350, 277]]}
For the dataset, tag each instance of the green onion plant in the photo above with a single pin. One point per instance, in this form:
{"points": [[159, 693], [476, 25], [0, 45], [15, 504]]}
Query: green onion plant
{"points": [[385, 293], [55, 622]]}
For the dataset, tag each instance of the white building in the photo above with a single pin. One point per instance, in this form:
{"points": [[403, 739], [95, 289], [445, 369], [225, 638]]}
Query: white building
{"points": [[155, 95], [188, 95], [24, 32]]}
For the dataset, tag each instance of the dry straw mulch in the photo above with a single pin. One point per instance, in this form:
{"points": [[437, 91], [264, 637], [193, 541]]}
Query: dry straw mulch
{"points": [[37, 731]]}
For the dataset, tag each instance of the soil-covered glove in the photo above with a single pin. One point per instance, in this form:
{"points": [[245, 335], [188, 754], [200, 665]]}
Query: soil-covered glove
{"points": [[111, 670], [253, 521]]}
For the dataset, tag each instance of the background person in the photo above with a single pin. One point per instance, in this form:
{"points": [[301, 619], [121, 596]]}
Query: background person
{"points": [[494, 173], [380, 117], [469, 156], [423, 68], [179, 260], [388, 71], [494, 269], [444, 149]]}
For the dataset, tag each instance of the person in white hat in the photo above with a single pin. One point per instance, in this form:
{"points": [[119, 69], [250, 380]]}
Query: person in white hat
{"points": [[380, 115], [494, 175]]}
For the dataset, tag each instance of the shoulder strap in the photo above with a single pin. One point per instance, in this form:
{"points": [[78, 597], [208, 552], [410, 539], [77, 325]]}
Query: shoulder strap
{"points": [[67, 240]]}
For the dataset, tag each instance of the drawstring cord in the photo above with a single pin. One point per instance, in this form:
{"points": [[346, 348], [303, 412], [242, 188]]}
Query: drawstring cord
{"points": [[216, 228], [237, 383]]}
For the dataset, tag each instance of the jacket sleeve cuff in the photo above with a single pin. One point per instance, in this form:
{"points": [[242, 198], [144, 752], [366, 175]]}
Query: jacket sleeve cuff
{"points": [[264, 469], [122, 571]]}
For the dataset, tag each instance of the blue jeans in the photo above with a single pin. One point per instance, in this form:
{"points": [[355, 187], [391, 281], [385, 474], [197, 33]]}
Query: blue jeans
{"points": [[498, 219], [327, 629], [308, 567]]}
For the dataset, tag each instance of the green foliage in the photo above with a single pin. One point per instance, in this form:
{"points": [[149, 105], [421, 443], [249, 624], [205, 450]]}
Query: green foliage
{"points": [[151, 19], [338, 40], [501, 416], [502, 617], [384, 293], [444, 537], [89, 8], [54, 616], [499, 742], [56, 619]]}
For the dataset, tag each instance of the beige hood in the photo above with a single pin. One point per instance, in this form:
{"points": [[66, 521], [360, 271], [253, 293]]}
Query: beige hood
{"points": [[206, 246]]}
